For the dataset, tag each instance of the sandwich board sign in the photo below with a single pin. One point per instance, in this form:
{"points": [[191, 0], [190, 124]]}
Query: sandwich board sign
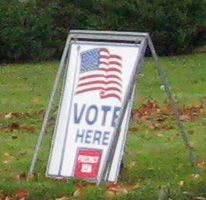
{"points": [[99, 71], [99, 76]]}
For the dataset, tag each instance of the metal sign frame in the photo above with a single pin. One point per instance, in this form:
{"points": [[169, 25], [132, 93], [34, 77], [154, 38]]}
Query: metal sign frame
{"points": [[142, 39]]}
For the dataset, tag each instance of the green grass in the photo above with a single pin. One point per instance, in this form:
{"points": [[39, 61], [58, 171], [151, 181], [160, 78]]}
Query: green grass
{"points": [[154, 158]]}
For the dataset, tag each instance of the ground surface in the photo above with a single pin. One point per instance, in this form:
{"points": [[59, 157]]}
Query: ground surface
{"points": [[156, 159]]}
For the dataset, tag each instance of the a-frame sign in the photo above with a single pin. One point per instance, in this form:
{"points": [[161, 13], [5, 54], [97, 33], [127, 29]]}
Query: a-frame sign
{"points": [[99, 70]]}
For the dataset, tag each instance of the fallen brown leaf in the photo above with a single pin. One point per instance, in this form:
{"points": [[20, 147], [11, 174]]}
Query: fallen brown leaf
{"points": [[29, 128], [62, 180], [131, 187], [195, 176], [62, 198], [181, 183], [191, 132], [15, 126], [110, 194], [156, 126], [117, 189], [24, 176], [78, 193], [87, 185], [167, 127], [36, 100], [113, 186], [197, 198], [124, 171], [7, 198], [21, 177], [6, 162], [31, 176], [185, 118], [122, 190], [174, 136], [201, 164], [135, 129], [191, 197], [132, 164], [160, 135], [8, 116], [7, 154], [22, 193]]}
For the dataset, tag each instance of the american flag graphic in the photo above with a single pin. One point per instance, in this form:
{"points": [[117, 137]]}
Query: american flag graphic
{"points": [[100, 71]]}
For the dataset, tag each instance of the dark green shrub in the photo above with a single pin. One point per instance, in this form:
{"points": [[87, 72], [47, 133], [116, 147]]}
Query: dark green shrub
{"points": [[175, 26], [36, 30], [25, 31]]}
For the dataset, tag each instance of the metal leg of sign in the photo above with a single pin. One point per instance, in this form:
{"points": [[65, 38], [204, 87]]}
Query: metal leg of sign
{"points": [[49, 108], [128, 109], [110, 155], [174, 106]]}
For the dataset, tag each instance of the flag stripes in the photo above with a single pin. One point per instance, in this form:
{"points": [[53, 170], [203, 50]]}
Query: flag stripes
{"points": [[100, 71]]}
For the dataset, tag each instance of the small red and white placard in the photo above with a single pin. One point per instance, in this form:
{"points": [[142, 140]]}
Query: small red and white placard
{"points": [[87, 163]]}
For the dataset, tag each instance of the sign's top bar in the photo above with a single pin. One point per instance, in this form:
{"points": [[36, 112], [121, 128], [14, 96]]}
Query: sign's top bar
{"points": [[108, 35]]}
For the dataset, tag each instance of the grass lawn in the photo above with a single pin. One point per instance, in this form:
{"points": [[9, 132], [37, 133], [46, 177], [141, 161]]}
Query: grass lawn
{"points": [[155, 155]]}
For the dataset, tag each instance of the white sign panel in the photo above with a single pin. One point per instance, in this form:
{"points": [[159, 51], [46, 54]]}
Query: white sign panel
{"points": [[98, 76]]}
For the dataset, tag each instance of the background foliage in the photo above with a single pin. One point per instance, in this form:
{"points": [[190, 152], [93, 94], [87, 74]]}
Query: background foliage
{"points": [[36, 30]]}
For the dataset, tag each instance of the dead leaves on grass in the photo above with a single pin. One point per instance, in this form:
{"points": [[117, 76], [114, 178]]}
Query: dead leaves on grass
{"points": [[62, 198], [154, 118], [115, 189], [122, 189], [15, 115], [10, 127], [25, 177], [192, 197], [80, 189], [16, 126], [20, 195], [201, 165], [151, 113], [109, 191]]}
